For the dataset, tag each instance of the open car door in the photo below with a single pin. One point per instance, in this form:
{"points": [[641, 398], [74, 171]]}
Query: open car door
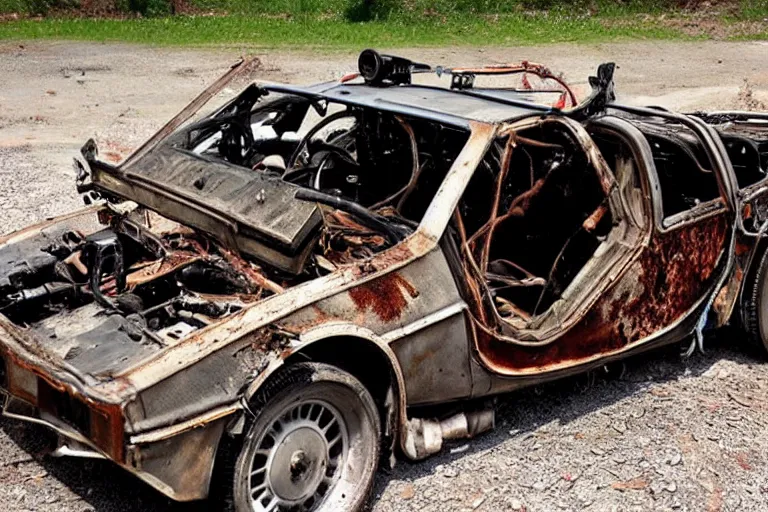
{"points": [[574, 260]]}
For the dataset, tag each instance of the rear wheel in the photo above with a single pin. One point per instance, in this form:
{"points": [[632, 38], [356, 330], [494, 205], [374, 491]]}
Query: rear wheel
{"points": [[312, 446], [756, 304]]}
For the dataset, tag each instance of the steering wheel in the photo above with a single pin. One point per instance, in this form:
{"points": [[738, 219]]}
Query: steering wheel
{"points": [[237, 142], [305, 142]]}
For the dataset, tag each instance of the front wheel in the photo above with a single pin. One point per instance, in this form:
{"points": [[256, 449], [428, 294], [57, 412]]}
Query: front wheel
{"points": [[313, 444]]}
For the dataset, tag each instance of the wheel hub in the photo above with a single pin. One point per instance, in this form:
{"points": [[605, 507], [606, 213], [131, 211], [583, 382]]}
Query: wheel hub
{"points": [[298, 464], [299, 458]]}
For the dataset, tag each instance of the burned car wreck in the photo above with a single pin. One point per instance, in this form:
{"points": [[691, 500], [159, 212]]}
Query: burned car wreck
{"points": [[261, 304]]}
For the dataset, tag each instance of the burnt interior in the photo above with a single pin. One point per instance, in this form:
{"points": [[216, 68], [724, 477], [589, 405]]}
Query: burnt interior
{"points": [[372, 158], [531, 217], [747, 149], [686, 175]]}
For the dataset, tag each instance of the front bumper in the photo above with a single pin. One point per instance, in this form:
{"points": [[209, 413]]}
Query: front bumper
{"points": [[179, 465]]}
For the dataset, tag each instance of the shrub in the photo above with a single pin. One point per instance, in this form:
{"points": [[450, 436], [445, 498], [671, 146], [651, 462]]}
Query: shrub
{"points": [[371, 10]]}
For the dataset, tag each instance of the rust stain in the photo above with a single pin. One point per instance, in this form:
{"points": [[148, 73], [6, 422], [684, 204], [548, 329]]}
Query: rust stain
{"points": [[636, 484], [159, 268], [665, 282], [384, 296], [384, 260], [254, 274], [106, 419], [269, 339]]}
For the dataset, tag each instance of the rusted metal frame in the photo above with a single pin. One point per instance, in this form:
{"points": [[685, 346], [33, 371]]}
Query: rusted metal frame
{"points": [[325, 331], [210, 339], [524, 67], [607, 182], [472, 284], [190, 110], [669, 334], [710, 145], [726, 182], [673, 330], [641, 151], [506, 160], [253, 274], [739, 220]]}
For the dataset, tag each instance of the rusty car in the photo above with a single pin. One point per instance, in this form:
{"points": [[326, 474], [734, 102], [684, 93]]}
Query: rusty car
{"points": [[261, 304]]}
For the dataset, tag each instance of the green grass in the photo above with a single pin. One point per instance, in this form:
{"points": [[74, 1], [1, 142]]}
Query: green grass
{"points": [[311, 31], [390, 23]]}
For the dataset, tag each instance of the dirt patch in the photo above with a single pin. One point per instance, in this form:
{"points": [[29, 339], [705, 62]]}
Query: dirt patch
{"points": [[711, 26], [747, 99]]}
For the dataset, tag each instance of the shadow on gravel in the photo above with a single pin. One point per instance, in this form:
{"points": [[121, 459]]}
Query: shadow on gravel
{"points": [[524, 411], [105, 487], [101, 485]]}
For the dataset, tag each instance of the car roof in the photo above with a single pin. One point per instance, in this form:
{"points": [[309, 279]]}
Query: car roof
{"points": [[448, 106]]}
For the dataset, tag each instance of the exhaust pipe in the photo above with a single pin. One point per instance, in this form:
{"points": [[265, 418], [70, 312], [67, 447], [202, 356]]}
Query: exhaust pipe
{"points": [[424, 437]]}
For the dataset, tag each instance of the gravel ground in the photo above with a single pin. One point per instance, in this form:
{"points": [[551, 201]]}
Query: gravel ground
{"points": [[659, 433]]}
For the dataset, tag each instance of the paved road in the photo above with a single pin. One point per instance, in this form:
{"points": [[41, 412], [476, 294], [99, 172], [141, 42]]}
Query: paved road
{"points": [[664, 434]]}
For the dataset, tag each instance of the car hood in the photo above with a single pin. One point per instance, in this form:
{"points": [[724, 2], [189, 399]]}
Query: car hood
{"points": [[252, 212]]}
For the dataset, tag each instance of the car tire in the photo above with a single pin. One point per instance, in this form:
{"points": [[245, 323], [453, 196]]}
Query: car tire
{"points": [[311, 444], [755, 316]]}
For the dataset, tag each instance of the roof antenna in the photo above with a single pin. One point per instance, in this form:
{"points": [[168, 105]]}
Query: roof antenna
{"points": [[381, 70]]}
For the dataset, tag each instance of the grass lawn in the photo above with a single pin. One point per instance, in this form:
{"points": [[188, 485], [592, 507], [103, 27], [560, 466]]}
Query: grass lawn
{"points": [[345, 24], [271, 31]]}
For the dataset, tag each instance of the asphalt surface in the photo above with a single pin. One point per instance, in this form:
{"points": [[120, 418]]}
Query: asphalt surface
{"points": [[661, 433]]}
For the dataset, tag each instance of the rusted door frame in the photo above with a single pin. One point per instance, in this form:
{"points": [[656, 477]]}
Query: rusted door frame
{"points": [[507, 359]]}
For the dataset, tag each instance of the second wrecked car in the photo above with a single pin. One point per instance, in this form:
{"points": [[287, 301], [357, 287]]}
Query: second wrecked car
{"points": [[260, 304]]}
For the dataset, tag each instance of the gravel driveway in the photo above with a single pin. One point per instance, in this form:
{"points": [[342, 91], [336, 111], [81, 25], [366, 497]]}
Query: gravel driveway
{"points": [[659, 433]]}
